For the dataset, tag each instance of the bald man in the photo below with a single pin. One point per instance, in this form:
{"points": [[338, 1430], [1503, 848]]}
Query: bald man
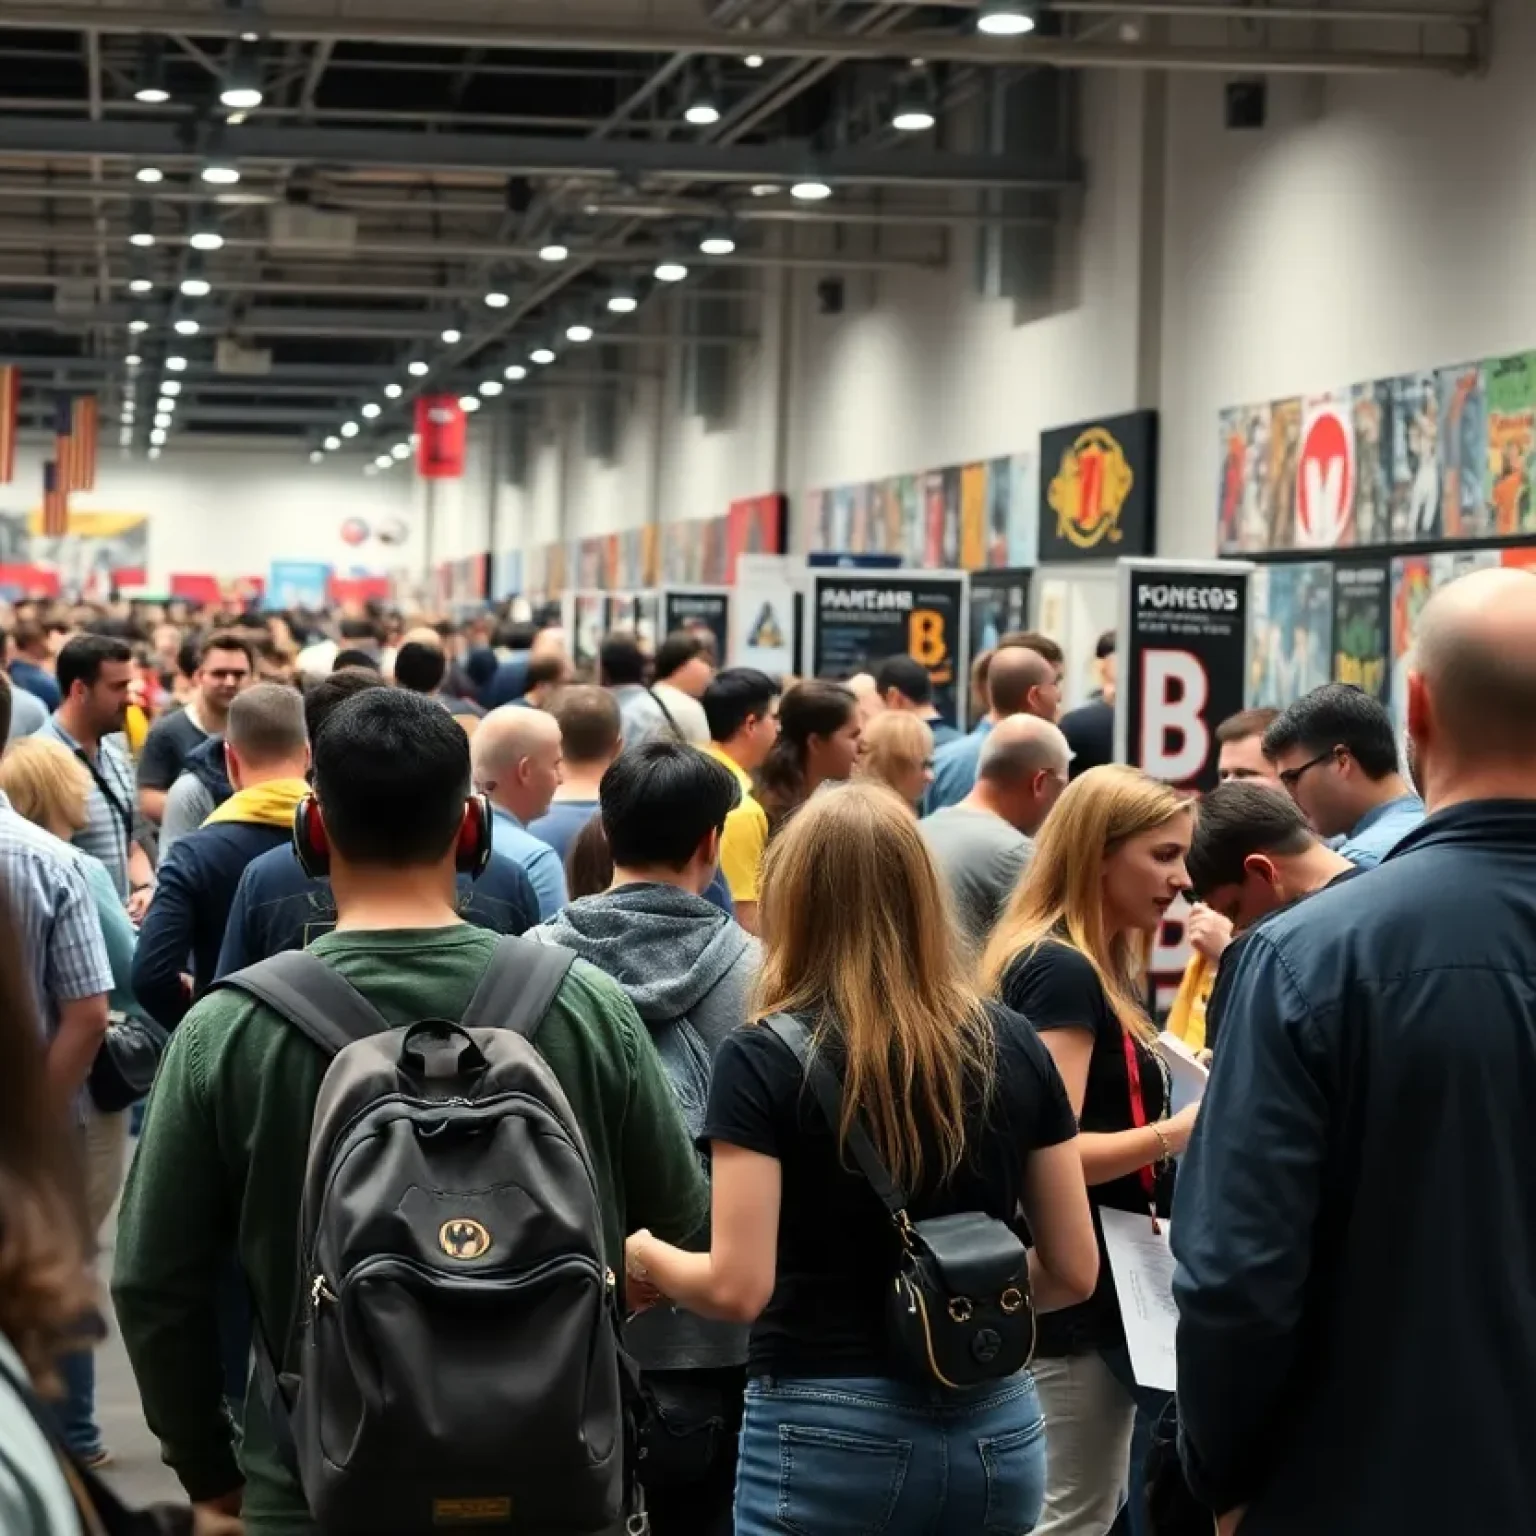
{"points": [[1020, 681], [982, 845], [1355, 1224], [516, 757]]}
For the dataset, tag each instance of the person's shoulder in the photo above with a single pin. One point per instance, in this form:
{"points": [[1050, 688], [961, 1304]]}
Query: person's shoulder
{"points": [[1057, 960]]}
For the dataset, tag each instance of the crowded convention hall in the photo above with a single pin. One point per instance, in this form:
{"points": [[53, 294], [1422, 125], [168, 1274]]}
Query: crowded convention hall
{"points": [[766, 769]]}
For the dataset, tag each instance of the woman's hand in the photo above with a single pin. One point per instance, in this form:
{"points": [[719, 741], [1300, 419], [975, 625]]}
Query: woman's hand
{"points": [[640, 1292]]}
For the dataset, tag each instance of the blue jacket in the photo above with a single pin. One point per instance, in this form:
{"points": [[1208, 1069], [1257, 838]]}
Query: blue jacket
{"points": [[195, 889], [509, 682], [40, 684], [954, 769], [1355, 1224], [278, 907]]}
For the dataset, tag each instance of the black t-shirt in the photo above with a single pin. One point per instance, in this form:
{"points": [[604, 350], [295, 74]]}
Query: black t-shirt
{"points": [[1055, 987], [1090, 732], [171, 739], [837, 1248]]}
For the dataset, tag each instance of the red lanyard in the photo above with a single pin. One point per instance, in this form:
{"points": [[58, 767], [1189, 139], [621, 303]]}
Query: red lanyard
{"points": [[1139, 1118]]}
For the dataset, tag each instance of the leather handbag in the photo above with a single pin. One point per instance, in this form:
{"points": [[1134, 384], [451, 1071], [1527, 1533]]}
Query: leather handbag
{"points": [[958, 1313], [125, 1065]]}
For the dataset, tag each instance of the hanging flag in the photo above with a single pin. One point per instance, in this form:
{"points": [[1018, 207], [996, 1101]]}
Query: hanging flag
{"points": [[10, 417], [74, 432], [440, 437], [55, 502]]}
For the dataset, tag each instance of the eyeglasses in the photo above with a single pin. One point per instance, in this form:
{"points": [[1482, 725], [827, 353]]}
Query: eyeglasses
{"points": [[1291, 777]]}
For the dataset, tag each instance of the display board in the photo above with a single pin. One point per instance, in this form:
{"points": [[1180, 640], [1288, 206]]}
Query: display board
{"points": [[1290, 631], [1074, 606], [298, 584], [1098, 488], [763, 629], [857, 619], [999, 603], [589, 612], [699, 608], [1362, 626]]}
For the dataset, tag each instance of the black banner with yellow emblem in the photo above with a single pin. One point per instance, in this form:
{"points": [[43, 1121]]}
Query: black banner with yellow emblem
{"points": [[856, 620], [1098, 489]]}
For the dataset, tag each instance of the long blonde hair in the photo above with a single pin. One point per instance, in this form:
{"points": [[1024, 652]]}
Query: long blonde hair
{"points": [[1062, 894], [896, 742], [859, 942], [46, 783]]}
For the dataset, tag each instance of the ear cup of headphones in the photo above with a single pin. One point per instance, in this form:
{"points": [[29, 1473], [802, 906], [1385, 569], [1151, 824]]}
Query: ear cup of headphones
{"points": [[310, 847], [473, 853]]}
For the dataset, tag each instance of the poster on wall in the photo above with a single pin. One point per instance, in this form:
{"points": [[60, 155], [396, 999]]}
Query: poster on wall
{"points": [[1512, 444], [620, 612], [763, 614], [973, 516], [1362, 626], [1415, 458], [588, 616], [1098, 489], [857, 620], [99, 551], [1074, 606], [1463, 452], [1242, 515], [1324, 476], [646, 606], [1291, 632], [700, 610], [999, 603], [1023, 510], [298, 584], [1371, 415], [754, 526]]}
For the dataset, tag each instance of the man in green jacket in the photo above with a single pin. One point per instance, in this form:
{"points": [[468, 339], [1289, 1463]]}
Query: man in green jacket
{"points": [[226, 1136]]}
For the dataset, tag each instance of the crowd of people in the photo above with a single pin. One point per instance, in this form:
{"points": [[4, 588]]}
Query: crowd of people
{"points": [[687, 1097]]}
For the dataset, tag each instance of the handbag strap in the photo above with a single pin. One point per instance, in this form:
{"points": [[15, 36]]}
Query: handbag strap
{"points": [[824, 1082]]}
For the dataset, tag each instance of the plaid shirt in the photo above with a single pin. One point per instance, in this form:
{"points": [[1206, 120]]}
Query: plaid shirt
{"points": [[54, 913], [105, 835]]}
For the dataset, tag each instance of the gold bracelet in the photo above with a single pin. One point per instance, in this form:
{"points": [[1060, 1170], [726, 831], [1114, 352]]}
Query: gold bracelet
{"points": [[1162, 1141]]}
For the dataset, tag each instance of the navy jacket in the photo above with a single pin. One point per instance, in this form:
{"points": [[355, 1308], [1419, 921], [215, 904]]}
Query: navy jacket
{"points": [[1355, 1224], [508, 683], [278, 907], [205, 762], [195, 889]]}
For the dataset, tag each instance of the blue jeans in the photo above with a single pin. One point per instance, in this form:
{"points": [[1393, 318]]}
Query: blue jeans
{"points": [[856, 1456], [77, 1412]]}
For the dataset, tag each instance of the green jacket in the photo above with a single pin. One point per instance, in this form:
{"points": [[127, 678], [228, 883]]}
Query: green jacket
{"points": [[221, 1165]]}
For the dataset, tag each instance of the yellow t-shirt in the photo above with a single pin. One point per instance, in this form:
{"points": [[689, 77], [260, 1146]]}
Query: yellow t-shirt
{"points": [[746, 836]]}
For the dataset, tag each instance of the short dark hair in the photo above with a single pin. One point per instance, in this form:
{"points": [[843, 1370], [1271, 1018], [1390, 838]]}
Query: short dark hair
{"points": [[909, 677], [1106, 645], [620, 661], [354, 658], [322, 699], [267, 724], [5, 709], [1337, 715], [82, 659], [359, 629], [588, 861], [392, 776], [1033, 640], [543, 669], [1235, 820], [421, 668], [678, 649], [1245, 723], [590, 724], [734, 696], [189, 656], [516, 635], [29, 634], [661, 800], [227, 641]]}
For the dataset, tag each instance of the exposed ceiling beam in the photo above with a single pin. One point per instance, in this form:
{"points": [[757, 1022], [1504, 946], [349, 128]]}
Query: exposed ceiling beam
{"points": [[946, 47]]}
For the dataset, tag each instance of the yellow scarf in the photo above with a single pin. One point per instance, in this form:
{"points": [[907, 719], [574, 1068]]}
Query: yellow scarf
{"points": [[263, 805]]}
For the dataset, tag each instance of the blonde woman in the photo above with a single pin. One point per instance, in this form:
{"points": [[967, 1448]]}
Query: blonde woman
{"points": [[965, 1108], [1070, 955], [898, 752]]}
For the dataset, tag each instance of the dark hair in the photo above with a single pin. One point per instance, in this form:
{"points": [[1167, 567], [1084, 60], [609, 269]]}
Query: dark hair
{"points": [[588, 861], [421, 668], [620, 661], [82, 658], [1033, 640], [189, 656], [1235, 820], [1106, 645], [735, 696], [813, 708], [542, 670], [661, 800], [353, 658], [392, 776], [226, 641], [515, 636], [322, 699], [1245, 723], [28, 635], [909, 677], [359, 629], [6, 708], [590, 724], [678, 649], [267, 724], [1337, 715]]}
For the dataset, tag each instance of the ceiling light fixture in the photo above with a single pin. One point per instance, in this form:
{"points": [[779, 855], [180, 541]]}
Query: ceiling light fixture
{"points": [[133, 359], [371, 411], [143, 238], [316, 454], [468, 403], [765, 189], [913, 109], [221, 173], [242, 91], [206, 240], [1005, 18], [138, 327], [196, 287], [384, 461], [753, 61], [154, 452], [140, 285], [149, 175], [162, 420], [490, 388], [622, 302], [393, 391], [496, 299], [187, 326], [401, 450], [543, 356], [125, 437], [452, 336], [701, 96], [171, 387], [418, 369], [810, 190], [151, 87], [717, 242], [332, 444], [349, 429], [165, 405], [515, 372], [554, 249], [670, 272], [176, 364], [578, 333], [158, 436], [702, 113]]}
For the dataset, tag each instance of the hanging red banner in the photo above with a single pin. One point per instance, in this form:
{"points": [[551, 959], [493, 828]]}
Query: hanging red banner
{"points": [[441, 430]]}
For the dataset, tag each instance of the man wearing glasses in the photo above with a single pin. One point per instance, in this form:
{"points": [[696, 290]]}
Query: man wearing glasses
{"points": [[1336, 754]]}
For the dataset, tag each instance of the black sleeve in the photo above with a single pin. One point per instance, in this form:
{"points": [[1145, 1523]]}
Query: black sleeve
{"points": [[1055, 987], [160, 761], [755, 1076], [1038, 1108]]}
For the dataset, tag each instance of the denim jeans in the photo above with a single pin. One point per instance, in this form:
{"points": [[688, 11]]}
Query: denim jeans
{"points": [[77, 1411], [856, 1456]]}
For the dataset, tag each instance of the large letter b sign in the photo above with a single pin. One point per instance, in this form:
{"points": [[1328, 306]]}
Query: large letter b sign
{"points": [[1175, 740]]}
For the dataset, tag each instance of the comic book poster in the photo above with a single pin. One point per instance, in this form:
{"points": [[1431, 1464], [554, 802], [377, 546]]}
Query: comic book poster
{"points": [[1464, 511], [858, 518], [1512, 444], [1362, 623], [1326, 472], [816, 513], [1412, 582], [1282, 461], [842, 518], [999, 495], [1415, 459], [1243, 522], [1290, 648], [98, 552], [1024, 511], [1444, 568], [909, 493], [933, 519], [712, 550], [973, 516], [949, 551], [650, 555], [1371, 414]]}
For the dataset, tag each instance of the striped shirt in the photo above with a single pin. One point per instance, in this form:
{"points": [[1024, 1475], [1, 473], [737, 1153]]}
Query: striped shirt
{"points": [[109, 810], [55, 915]]}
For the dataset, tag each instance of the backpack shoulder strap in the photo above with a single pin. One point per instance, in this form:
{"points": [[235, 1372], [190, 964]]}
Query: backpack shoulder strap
{"points": [[519, 984], [318, 1001]]}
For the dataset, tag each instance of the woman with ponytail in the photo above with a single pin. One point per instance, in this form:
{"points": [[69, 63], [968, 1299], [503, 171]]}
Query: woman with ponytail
{"points": [[819, 736]]}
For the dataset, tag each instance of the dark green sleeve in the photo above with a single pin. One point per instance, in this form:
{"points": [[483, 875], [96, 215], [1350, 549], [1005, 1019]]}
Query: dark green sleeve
{"points": [[174, 1234]]}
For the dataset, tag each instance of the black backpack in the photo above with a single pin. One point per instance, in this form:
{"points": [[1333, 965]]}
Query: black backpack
{"points": [[456, 1358]]}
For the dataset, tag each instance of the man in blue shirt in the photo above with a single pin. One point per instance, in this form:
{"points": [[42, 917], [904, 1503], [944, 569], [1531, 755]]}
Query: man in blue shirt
{"points": [[904, 683], [517, 762], [29, 665], [1336, 754]]}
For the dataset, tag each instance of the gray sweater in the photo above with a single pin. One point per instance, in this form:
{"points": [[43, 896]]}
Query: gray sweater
{"points": [[688, 969]]}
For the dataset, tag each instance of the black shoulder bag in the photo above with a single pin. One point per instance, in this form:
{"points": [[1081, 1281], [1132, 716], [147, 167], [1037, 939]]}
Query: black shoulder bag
{"points": [[959, 1313]]}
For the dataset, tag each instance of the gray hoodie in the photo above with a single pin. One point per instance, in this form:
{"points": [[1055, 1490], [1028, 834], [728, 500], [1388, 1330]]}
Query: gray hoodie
{"points": [[688, 969]]}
